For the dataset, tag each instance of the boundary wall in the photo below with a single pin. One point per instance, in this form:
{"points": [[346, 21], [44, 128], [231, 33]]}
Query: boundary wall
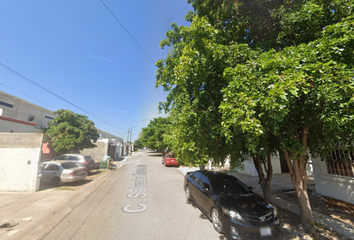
{"points": [[20, 155]]}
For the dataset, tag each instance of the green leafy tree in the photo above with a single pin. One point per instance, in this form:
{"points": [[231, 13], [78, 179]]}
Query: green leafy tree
{"points": [[302, 96], [230, 50], [152, 135], [138, 143], [70, 132]]}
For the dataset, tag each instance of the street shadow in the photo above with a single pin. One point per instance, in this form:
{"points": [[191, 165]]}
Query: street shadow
{"points": [[155, 155], [78, 183], [118, 159], [93, 173], [171, 166], [45, 186], [204, 216]]}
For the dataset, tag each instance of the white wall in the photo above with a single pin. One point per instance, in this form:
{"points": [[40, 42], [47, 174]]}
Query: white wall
{"points": [[330, 185], [250, 169], [19, 160]]}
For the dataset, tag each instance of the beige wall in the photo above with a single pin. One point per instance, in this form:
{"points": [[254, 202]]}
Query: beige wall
{"points": [[22, 110], [19, 160], [98, 152]]}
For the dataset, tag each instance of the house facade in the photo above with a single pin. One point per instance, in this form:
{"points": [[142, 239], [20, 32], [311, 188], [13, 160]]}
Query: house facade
{"points": [[334, 177], [107, 144], [32, 118], [22, 148]]}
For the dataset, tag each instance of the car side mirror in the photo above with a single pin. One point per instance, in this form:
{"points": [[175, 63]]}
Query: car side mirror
{"points": [[251, 188]]}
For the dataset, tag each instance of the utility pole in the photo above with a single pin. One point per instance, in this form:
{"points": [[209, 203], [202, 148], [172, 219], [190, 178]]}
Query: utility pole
{"points": [[131, 132], [127, 141]]}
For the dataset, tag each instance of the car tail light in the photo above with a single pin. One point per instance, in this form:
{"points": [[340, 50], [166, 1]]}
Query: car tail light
{"points": [[73, 173], [86, 162]]}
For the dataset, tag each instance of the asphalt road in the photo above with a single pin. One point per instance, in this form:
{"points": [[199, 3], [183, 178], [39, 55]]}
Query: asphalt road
{"points": [[141, 200]]}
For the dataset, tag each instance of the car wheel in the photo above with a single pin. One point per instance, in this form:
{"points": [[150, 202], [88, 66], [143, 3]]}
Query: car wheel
{"points": [[188, 194], [215, 215], [56, 182]]}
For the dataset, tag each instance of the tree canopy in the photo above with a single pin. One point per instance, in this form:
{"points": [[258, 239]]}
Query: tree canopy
{"points": [[260, 77], [70, 132], [152, 136]]}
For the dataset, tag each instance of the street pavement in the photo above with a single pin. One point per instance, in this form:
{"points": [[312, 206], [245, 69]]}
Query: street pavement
{"points": [[27, 215]]}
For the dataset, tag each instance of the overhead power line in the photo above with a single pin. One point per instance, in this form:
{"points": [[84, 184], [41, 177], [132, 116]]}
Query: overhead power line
{"points": [[27, 95], [38, 85], [127, 31]]}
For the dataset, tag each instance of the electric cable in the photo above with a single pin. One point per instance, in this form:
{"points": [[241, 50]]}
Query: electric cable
{"points": [[27, 95], [127, 31], [38, 85]]}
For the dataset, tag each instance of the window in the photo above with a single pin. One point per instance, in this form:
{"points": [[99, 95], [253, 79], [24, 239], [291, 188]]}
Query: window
{"points": [[73, 158], [68, 165], [52, 167], [30, 118], [6, 104], [47, 117], [196, 175], [341, 163]]}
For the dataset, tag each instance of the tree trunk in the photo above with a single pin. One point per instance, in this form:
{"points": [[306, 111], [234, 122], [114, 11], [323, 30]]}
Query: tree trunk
{"points": [[264, 181], [297, 170]]}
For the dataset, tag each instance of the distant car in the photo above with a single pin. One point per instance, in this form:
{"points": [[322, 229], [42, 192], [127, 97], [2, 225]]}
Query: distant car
{"points": [[169, 160], [79, 159], [233, 208], [59, 172]]}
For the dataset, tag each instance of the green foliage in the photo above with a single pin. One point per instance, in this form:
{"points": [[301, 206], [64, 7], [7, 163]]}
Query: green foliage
{"points": [[138, 143], [260, 77], [153, 135], [306, 86], [243, 70], [70, 131]]}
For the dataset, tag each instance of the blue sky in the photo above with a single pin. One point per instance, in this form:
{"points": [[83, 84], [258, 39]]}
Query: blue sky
{"points": [[78, 50]]}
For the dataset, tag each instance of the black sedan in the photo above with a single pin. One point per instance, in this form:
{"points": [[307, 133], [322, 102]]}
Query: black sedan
{"points": [[234, 209]]}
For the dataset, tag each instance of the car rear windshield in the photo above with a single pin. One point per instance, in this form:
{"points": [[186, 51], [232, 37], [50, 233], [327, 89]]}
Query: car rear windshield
{"points": [[229, 185], [68, 165], [89, 159], [170, 156]]}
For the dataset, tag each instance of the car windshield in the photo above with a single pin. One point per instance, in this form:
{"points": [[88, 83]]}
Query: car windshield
{"points": [[229, 185], [63, 157], [68, 165]]}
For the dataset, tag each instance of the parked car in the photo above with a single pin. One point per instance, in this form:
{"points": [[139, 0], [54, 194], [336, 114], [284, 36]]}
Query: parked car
{"points": [[79, 159], [169, 160], [60, 172], [233, 208]]}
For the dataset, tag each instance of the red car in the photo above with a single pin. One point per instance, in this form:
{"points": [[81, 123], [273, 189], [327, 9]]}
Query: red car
{"points": [[169, 160]]}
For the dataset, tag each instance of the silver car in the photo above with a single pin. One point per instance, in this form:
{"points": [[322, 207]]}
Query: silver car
{"points": [[79, 159], [59, 172]]}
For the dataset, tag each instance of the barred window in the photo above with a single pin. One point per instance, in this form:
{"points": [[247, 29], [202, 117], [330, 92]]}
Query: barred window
{"points": [[341, 163]]}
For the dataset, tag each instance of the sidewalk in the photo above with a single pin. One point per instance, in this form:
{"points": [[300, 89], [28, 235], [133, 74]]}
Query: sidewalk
{"points": [[282, 182], [26, 215]]}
